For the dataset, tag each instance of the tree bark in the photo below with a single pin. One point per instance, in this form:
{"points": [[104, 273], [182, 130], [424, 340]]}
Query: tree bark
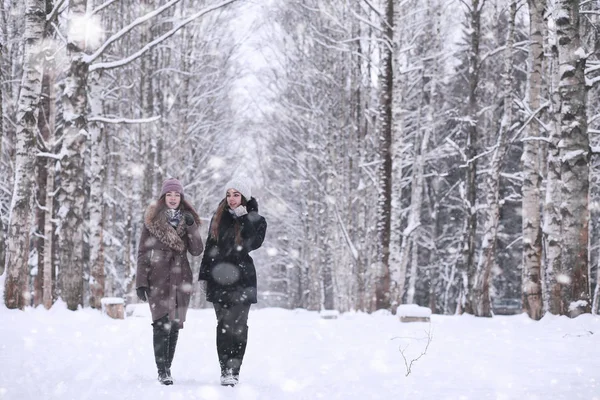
{"points": [[532, 179], [96, 203], [470, 183], [574, 158], [2, 233], [399, 244], [551, 213], [17, 293], [480, 294], [382, 286], [72, 196], [43, 284]]}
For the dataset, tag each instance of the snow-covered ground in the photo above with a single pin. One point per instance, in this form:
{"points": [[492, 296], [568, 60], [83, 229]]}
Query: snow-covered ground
{"points": [[59, 354]]}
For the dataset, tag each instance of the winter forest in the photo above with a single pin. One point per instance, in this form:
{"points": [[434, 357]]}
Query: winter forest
{"points": [[433, 152]]}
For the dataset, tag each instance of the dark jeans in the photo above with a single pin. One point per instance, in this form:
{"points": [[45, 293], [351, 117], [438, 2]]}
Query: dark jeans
{"points": [[232, 335], [165, 335]]}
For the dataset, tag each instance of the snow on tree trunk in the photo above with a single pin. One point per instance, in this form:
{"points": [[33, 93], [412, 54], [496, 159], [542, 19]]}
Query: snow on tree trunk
{"points": [[43, 284], [574, 158], [71, 197], [2, 235], [421, 141], [16, 291], [96, 201], [384, 204], [148, 141], [470, 183], [399, 247], [596, 298], [48, 276], [531, 223], [551, 213], [480, 292]]}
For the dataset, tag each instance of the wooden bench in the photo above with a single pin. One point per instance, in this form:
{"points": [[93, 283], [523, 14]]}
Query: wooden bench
{"points": [[114, 307], [413, 313]]}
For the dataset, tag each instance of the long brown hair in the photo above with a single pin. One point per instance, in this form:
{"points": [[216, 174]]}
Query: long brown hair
{"points": [[221, 208]]}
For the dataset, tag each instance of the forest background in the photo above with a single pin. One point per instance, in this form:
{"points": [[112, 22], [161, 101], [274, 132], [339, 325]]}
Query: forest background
{"points": [[436, 152]]}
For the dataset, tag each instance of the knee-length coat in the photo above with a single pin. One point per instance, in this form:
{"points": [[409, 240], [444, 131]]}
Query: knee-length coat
{"points": [[227, 267], [162, 263]]}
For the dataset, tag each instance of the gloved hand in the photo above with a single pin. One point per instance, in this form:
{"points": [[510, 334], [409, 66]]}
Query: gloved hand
{"points": [[240, 210], [142, 293], [189, 218]]}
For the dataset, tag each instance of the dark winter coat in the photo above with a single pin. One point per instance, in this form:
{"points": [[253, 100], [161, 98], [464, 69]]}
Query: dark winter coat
{"points": [[228, 268], [162, 263]]}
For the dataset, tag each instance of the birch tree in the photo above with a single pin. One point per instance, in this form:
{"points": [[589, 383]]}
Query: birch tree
{"points": [[2, 235], [532, 238], [384, 204], [17, 293], [551, 213], [572, 277], [480, 292], [394, 138], [470, 182]]}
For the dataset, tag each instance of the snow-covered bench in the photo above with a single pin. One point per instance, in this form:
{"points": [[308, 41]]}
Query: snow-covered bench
{"points": [[114, 307], [329, 314], [413, 313]]}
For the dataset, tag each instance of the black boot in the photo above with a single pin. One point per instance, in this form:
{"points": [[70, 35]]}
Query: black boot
{"points": [[224, 351], [161, 351], [173, 336]]}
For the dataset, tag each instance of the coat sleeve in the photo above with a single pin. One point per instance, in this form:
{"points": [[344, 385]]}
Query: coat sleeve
{"points": [[194, 240], [143, 261], [254, 229]]}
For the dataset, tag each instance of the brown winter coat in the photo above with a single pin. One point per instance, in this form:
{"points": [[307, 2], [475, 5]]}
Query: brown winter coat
{"points": [[162, 263]]}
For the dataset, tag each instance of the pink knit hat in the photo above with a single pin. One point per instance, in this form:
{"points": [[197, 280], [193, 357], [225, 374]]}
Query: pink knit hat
{"points": [[171, 185]]}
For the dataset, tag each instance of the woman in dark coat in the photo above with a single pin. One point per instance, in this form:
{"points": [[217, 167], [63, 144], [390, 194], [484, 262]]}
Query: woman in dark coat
{"points": [[164, 276], [235, 229]]}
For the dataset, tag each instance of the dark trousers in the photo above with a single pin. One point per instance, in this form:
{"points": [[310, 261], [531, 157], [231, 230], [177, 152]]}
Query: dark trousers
{"points": [[165, 334], [232, 335]]}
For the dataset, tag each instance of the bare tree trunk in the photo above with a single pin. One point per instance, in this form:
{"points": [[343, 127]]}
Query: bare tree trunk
{"points": [[596, 298], [48, 275], [17, 294], [2, 233], [45, 176], [71, 197], [551, 213], [531, 225], [382, 286], [399, 245], [470, 188], [574, 155], [97, 189], [480, 292]]}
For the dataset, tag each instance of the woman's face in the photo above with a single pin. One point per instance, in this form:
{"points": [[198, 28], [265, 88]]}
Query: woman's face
{"points": [[234, 198], [172, 199]]}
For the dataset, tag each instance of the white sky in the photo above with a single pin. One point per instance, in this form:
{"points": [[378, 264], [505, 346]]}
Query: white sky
{"points": [[294, 354]]}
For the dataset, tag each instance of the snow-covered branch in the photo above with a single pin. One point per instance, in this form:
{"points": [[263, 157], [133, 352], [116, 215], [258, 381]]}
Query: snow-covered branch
{"points": [[103, 6], [124, 120], [346, 236], [56, 10], [159, 40], [126, 29]]}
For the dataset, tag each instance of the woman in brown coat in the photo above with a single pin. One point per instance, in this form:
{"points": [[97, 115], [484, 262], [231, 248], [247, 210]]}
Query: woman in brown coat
{"points": [[164, 276]]}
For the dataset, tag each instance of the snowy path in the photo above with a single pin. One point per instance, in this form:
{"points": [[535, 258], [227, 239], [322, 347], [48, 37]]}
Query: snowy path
{"points": [[296, 355]]}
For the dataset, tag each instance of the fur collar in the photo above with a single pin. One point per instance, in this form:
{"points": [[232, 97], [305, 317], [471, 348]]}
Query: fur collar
{"points": [[158, 226]]}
